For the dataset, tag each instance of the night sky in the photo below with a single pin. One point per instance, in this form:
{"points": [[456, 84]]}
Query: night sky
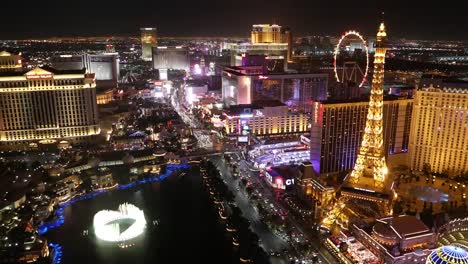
{"points": [[410, 19]]}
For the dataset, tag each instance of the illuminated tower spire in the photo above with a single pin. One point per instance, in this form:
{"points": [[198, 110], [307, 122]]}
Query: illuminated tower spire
{"points": [[368, 180], [370, 169]]}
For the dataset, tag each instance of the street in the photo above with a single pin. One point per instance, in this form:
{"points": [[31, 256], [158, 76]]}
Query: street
{"points": [[266, 191], [268, 240]]}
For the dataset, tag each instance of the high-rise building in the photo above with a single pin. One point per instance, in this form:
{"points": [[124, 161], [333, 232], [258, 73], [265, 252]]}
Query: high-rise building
{"points": [[176, 58], [264, 118], [10, 62], [272, 41], [275, 53], [338, 128], [44, 105], [245, 85], [110, 48], [439, 129], [288, 38], [105, 66], [68, 62], [148, 42], [266, 33]]}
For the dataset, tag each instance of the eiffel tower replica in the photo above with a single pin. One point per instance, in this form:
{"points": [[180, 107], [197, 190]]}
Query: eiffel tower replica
{"points": [[368, 182]]}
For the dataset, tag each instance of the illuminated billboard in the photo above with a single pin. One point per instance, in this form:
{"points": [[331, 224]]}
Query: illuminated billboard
{"points": [[243, 139]]}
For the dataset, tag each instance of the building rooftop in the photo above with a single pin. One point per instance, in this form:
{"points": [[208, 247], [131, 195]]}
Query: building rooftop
{"points": [[119, 155], [285, 171], [242, 108], [362, 99], [5, 53], [439, 80], [56, 71], [403, 227], [362, 191], [448, 254], [407, 226], [257, 71], [41, 70], [268, 103]]}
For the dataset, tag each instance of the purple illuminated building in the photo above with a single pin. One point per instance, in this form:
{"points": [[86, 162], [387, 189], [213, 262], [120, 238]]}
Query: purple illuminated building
{"points": [[338, 127], [245, 85]]}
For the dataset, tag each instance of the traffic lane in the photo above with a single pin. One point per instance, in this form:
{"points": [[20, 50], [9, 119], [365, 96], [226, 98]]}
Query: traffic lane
{"points": [[324, 255], [267, 239]]}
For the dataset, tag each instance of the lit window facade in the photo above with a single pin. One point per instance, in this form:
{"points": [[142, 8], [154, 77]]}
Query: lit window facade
{"points": [[148, 42], [264, 120], [105, 97], [265, 33], [105, 66], [276, 52], [9, 62], [46, 105], [171, 58], [298, 91], [338, 128], [439, 130]]}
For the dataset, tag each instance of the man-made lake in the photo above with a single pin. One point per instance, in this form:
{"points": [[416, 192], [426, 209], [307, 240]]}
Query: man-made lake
{"points": [[184, 230]]}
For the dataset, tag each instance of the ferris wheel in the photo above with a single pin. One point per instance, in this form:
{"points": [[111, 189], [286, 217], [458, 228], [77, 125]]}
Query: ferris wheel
{"points": [[349, 70]]}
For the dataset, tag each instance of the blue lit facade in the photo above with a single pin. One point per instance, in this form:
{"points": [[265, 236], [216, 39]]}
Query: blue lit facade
{"points": [[448, 255]]}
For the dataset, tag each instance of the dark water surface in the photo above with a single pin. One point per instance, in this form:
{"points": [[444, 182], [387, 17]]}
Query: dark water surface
{"points": [[187, 232]]}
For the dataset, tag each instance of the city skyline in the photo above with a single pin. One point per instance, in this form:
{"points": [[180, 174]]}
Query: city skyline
{"points": [[139, 116], [212, 19]]}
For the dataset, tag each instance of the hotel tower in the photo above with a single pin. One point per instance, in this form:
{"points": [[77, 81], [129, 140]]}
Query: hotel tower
{"points": [[45, 105]]}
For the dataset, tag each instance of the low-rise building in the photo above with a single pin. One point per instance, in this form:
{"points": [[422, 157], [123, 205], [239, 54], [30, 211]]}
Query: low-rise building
{"points": [[134, 140], [102, 179], [104, 96], [282, 177], [317, 189], [23, 245], [194, 91], [64, 191], [398, 239], [264, 118]]}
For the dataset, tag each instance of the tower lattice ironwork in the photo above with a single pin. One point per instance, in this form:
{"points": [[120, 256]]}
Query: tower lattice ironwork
{"points": [[370, 163], [366, 193]]}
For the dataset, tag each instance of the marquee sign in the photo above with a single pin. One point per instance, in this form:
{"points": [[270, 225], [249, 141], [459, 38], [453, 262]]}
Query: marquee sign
{"points": [[39, 76], [38, 73]]}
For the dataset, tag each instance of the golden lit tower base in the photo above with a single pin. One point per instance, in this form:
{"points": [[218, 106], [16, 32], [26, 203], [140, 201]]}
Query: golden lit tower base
{"points": [[367, 192], [368, 180]]}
